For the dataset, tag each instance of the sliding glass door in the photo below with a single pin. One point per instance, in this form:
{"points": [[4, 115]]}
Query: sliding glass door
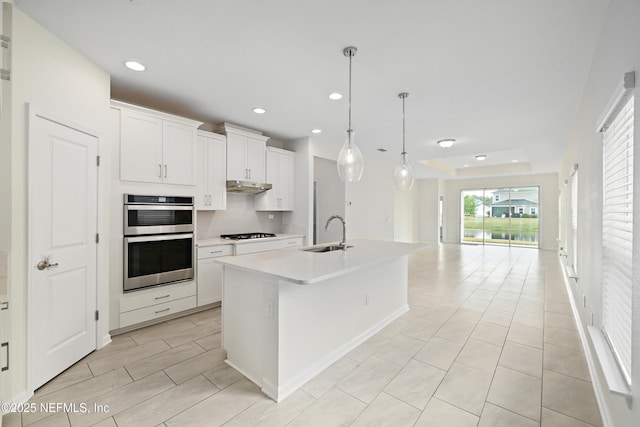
{"points": [[502, 216]]}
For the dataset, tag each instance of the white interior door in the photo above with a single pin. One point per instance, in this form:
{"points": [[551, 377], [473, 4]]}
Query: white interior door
{"points": [[62, 246]]}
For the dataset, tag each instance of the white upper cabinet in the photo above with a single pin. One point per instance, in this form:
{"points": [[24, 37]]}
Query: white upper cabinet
{"points": [[279, 165], [156, 147], [245, 154], [140, 147], [211, 172]]}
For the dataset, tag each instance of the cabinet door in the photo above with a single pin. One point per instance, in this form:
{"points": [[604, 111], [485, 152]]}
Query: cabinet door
{"points": [[269, 200], [209, 281], [285, 184], [178, 153], [140, 147], [256, 159], [237, 157], [201, 201], [217, 174]]}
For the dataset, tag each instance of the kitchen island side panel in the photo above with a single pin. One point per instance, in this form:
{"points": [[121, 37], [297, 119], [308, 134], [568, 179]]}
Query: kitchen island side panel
{"points": [[281, 334], [320, 323]]}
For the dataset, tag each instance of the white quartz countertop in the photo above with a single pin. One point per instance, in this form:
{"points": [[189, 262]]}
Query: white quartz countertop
{"points": [[302, 267], [214, 241]]}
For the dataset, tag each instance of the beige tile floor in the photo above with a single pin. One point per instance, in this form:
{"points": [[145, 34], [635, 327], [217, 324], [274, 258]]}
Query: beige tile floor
{"points": [[490, 341]]}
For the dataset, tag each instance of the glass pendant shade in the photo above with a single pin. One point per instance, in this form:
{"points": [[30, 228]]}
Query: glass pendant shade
{"points": [[403, 174], [350, 161]]}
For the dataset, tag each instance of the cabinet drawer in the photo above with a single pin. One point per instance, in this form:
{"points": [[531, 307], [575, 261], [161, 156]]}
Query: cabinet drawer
{"points": [[292, 242], [152, 297], [252, 247], [155, 311], [214, 251]]}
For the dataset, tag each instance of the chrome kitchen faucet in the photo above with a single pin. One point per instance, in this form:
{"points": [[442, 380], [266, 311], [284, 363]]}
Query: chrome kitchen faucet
{"points": [[343, 242]]}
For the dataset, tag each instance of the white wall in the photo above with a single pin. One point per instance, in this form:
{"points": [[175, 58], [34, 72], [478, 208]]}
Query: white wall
{"points": [[56, 79], [371, 201], [428, 210], [548, 184], [618, 52], [329, 198], [406, 215]]}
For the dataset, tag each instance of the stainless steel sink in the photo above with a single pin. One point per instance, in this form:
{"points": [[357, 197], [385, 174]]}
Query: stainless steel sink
{"points": [[328, 248]]}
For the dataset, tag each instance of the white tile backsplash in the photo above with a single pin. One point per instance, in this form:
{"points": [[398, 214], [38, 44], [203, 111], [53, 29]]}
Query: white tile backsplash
{"points": [[239, 217]]}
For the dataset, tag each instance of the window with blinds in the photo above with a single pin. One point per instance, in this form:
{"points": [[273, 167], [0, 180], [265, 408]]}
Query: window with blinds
{"points": [[617, 233]]}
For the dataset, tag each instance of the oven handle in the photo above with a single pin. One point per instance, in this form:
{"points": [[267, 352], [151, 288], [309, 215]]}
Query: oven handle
{"points": [[157, 238], [159, 207]]}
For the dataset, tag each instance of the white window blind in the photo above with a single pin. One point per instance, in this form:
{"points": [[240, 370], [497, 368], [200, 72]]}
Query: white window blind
{"points": [[617, 234], [574, 222]]}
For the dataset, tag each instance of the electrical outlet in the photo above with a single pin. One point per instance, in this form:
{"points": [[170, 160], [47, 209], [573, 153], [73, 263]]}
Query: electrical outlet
{"points": [[3, 264], [271, 216]]}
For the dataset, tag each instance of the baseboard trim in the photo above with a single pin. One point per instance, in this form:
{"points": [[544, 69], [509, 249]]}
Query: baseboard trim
{"points": [[598, 387], [106, 339]]}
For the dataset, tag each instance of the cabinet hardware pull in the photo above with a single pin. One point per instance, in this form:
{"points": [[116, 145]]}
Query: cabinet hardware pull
{"points": [[5, 368], [160, 169], [162, 311], [163, 296], [215, 252], [165, 171]]}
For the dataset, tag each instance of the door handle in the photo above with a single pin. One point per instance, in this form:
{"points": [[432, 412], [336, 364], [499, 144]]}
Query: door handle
{"points": [[5, 344], [45, 264]]}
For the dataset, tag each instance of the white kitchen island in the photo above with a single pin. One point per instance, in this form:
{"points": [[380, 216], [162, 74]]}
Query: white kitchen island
{"points": [[289, 314]]}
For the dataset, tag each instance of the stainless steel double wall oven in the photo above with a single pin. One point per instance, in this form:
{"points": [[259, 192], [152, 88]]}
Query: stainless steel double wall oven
{"points": [[158, 240]]}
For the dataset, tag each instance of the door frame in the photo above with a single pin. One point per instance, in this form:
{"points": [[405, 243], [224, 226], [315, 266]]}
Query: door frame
{"points": [[33, 113]]}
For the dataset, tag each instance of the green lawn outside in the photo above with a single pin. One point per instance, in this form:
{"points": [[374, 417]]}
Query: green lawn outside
{"points": [[501, 224]]}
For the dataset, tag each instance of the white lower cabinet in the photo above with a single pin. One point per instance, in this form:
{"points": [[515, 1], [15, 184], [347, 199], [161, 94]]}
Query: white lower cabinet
{"points": [[210, 273], [150, 304]]}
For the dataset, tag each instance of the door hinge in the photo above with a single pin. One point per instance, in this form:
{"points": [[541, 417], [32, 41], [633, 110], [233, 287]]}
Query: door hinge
{"points": [[97, 237], [97, 315], [97, 160]]}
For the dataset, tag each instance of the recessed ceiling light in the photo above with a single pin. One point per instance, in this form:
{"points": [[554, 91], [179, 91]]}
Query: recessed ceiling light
{"points": [[481, 157], [514, 161], [259, 110], [134, 65], [316, 130], [466, 166], [446, 143], [335, 96]]}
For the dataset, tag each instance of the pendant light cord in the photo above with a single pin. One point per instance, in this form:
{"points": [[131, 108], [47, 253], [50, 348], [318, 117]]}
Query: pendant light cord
{"points": [[404, 151], [350, 130]]}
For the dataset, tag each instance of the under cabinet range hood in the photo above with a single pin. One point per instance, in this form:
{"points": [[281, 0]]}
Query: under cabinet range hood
{"points": [[246, 187]]}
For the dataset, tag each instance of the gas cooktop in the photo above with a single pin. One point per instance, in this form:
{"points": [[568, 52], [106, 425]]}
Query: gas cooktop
{"points": [[245, 236]]}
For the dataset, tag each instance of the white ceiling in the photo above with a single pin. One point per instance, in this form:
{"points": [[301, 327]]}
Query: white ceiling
{"points": [[503, 77]]}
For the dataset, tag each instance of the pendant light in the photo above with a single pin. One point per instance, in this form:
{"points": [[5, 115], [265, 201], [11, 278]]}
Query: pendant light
{"points": [[350, 161], [403, 174]]}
